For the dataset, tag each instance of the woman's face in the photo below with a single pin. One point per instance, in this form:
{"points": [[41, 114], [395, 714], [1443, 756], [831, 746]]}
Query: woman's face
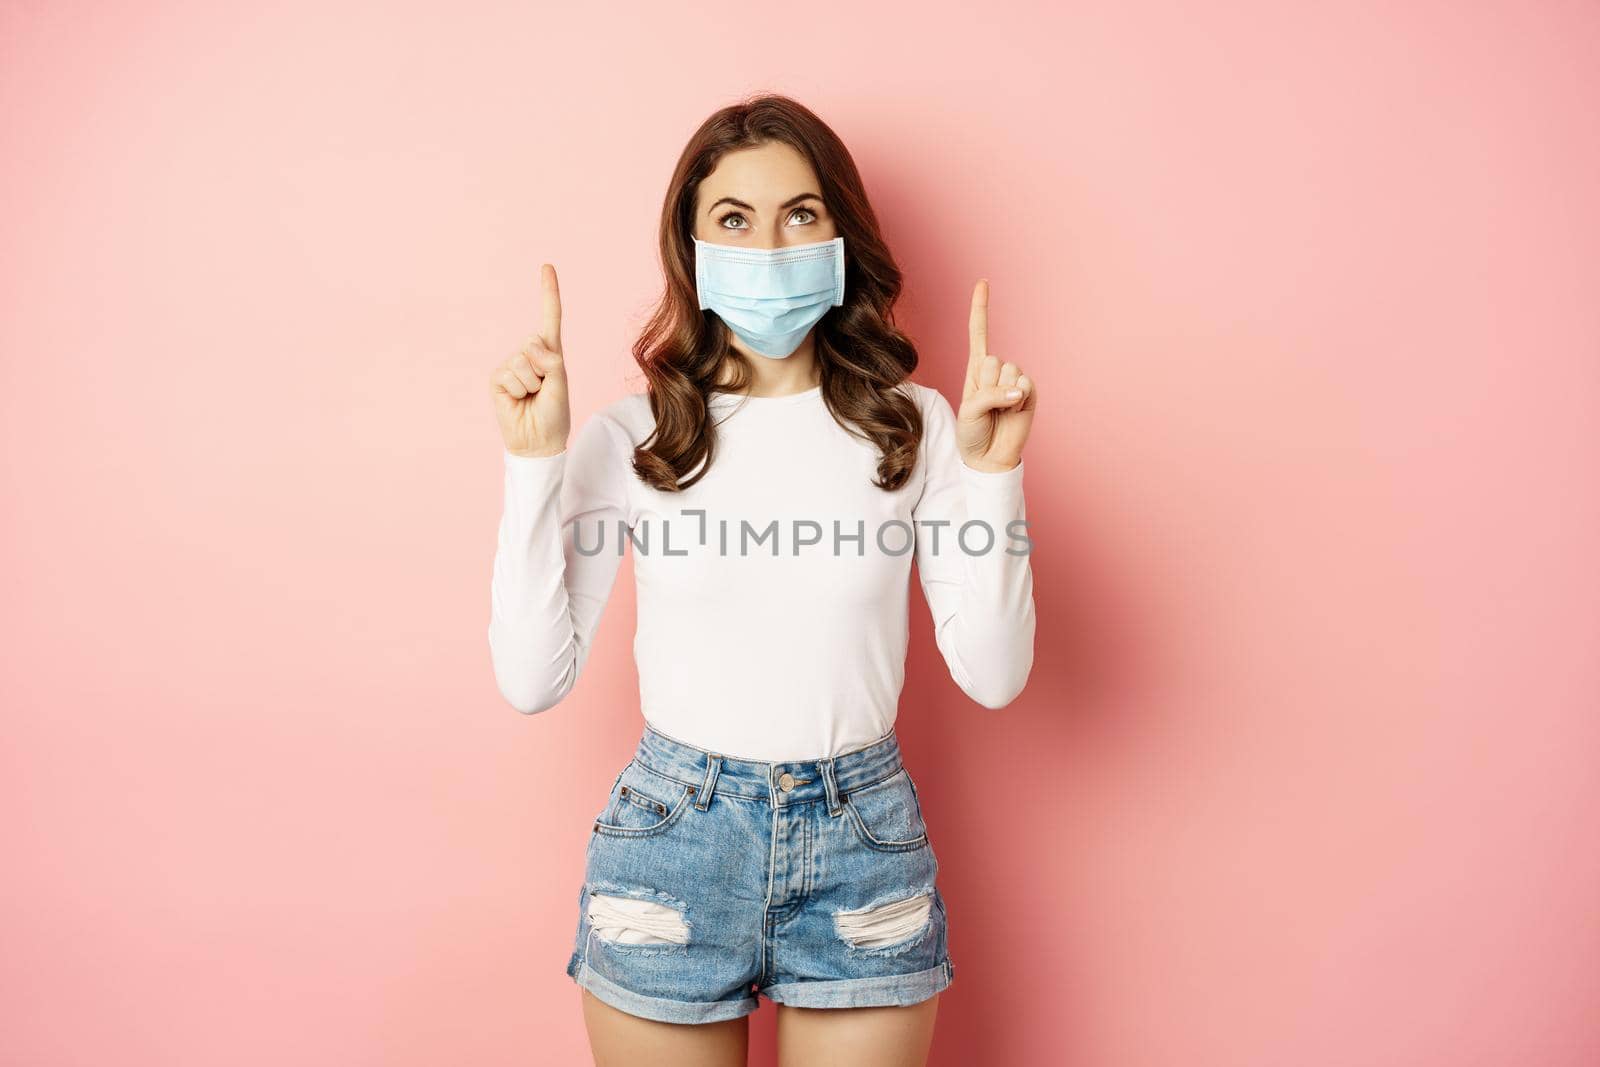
{"points": [[762, 197]]}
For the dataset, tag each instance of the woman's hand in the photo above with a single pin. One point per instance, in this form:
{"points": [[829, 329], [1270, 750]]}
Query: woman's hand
{"points": [[530, 388], [991, 424]]}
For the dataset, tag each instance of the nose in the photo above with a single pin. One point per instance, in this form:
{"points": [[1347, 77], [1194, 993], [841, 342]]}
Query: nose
{"points": [[777, 235]]}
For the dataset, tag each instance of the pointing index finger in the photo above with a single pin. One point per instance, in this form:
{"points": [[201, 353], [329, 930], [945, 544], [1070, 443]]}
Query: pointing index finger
{"points": [[978, 326], [551, 298]]}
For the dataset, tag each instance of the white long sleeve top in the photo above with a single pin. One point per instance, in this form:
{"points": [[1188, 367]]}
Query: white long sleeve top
{"points": [[773, 594]]}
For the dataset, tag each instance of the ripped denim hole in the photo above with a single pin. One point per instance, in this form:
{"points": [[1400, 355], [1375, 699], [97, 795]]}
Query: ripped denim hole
{"points": [[636, 921], [884, 924]]}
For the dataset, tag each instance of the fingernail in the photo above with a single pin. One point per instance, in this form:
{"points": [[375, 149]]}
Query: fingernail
{"points": [[1012, 394]]}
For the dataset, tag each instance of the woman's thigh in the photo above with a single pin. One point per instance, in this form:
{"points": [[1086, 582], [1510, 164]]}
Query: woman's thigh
{"points": [[619, 1039], [868, 1037]]}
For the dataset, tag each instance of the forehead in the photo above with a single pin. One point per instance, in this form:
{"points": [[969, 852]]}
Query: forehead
{"points": [[764, 176]]}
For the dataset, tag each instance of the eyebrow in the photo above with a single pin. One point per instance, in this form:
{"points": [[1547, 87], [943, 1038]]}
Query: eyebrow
{"points": [[791, 202]]}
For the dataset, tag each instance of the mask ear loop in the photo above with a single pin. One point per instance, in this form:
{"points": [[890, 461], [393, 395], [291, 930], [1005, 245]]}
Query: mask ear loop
{"points": [[838, 272], [699, 274]]}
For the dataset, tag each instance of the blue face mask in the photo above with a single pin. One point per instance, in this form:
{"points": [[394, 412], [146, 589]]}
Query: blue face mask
{"points": [[770, 297]]}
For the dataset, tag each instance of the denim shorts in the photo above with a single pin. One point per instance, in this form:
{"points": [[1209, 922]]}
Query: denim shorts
{"points": [[710, 880]]}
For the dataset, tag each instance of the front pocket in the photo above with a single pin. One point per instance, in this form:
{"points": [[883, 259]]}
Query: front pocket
{"points": [[642, 804], [886, 815]]}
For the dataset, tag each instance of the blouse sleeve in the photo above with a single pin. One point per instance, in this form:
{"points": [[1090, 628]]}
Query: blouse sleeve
{"points": [[547, 596], [980, 596]]}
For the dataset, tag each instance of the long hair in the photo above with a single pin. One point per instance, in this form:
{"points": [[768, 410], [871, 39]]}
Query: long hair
{"points": [[863, 356]]}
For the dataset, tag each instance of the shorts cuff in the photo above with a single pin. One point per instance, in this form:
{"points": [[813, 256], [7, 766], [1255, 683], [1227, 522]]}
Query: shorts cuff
{"points": [[892, 990], [658, 1008]]}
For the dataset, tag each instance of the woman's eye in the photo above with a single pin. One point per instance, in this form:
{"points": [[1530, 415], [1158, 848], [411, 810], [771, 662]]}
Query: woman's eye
{"points": [[735, 215]]}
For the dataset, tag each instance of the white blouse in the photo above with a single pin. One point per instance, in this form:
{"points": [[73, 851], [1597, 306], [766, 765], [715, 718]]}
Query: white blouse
{"points": [[772, 594]]}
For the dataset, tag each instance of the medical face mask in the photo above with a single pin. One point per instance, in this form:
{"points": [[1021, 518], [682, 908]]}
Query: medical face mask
{"points": [[770, 297]]}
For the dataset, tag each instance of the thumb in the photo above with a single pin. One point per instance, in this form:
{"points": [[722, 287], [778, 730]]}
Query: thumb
{"points": [[987, 398], [546, 360]]}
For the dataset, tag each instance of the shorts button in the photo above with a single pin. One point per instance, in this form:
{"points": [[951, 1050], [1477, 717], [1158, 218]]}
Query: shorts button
{"points": [[786, 781]]}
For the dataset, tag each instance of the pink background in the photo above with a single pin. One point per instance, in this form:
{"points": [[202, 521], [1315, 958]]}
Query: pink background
{"points": [[1307, 768]]}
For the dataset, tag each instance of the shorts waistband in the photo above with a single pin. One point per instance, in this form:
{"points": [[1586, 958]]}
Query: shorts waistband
{"points": [[827, 778]]}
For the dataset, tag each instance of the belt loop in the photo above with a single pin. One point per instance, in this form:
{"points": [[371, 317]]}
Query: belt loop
{"points": [[713, 768], [830, 786]]}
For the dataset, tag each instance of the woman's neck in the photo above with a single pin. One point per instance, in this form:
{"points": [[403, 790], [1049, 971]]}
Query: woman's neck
{"points": [[794, 373]]}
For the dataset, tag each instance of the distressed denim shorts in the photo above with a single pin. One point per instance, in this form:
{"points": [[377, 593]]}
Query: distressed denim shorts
{"points": [[710, 880]]}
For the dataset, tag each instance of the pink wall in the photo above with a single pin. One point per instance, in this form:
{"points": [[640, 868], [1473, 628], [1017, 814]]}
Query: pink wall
{"points": [[1307, 770]]}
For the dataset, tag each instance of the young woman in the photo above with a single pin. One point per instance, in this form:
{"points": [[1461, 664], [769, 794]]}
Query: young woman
{"points": [[775, 482]]}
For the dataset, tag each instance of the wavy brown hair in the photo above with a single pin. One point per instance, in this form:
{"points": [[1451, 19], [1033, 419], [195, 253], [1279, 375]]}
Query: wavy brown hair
{"points": [[863, 356]]}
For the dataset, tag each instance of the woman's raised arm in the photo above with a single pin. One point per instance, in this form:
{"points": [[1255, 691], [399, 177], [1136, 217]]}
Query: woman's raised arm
{"points": [[546, 596]]}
